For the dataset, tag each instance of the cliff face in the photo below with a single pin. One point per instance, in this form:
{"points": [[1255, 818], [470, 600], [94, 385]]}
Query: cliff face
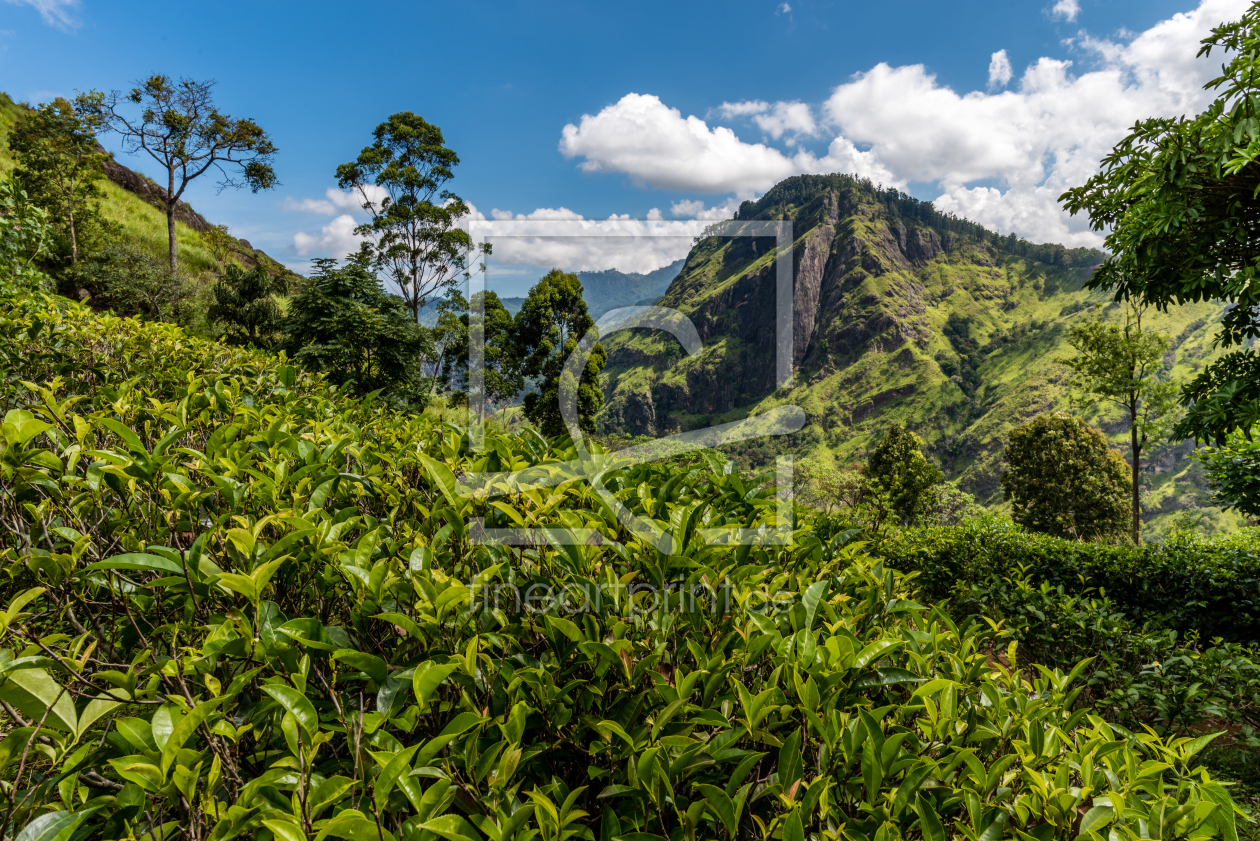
{"points": [[900, 314]]}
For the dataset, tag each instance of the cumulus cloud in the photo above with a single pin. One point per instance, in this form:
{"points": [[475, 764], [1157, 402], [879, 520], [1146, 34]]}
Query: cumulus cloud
{"points": [[1001, 157], [545, 237], [559, 237], [336, 201], [776, 120], [58, 13], [999, 70], [1066, 9], [695, 209], [336, 239], [655, 145]]}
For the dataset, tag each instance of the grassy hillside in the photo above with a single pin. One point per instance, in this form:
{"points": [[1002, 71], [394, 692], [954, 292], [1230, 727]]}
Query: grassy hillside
{"points": [[901, 315], [140, 222]]}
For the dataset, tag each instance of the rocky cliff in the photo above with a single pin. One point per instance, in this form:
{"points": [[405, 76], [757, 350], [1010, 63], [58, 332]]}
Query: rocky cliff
{"points": [[900, 313]]}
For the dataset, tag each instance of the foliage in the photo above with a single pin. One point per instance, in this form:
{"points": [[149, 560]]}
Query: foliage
{"points": [[59, 165], [414, 233], [1233, 472], [1135, 676], [1191, 585], [1124, 365], [131, 281], [499, 360], [897, 464], [448, 353], [551, 324], [948, 505], [25, 237], [1176, 198], [292, 636], [845, 496], [343, 323], [245, 307], [180, 127], [221, 243], [1063, 479]]}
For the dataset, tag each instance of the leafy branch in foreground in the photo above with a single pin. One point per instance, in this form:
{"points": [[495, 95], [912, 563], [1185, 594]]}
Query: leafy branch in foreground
{"points": [[1179, 200]]}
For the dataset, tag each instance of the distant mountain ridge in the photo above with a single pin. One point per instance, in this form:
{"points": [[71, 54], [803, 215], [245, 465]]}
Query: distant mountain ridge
{"points": [[603, 291], [901, 314]]}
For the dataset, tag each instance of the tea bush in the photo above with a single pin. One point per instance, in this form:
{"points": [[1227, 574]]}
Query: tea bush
{"points": [[239, 604], [1189, 584], [1134, 675]]}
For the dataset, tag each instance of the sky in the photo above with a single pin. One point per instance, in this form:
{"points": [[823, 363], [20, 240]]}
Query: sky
{"points": [[649, 118]]}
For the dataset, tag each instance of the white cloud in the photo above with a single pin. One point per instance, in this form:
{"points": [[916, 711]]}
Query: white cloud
{"points": [[560, 238], [1000, 158], [655, 145], [784, 9], [336, 239], [695, 209], [58, 13], [775, 120], [336, 201], [1066, 9], [999, 70]]}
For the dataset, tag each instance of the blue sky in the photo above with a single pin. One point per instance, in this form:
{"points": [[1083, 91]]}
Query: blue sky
{"points": [[907, 93]]}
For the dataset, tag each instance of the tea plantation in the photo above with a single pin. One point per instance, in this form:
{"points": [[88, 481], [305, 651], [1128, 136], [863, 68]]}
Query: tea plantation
{"points": [[239, 604]]}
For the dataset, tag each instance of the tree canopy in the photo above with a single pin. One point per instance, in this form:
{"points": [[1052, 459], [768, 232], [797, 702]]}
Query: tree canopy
{"points": [[343, 322], [59, 165], [1180, 199], [898, 465], [551, 323], [180, 127], [1064, 479], [414, 234], [245, 307], [1123, 365]]}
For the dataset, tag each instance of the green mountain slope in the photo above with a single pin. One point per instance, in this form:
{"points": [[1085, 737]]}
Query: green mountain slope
{"points": [[608, 290], [901, 314], [131, 203]]}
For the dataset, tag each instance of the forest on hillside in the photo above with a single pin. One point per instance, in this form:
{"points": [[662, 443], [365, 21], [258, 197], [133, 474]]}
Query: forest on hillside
{"points": [[283, 558]]}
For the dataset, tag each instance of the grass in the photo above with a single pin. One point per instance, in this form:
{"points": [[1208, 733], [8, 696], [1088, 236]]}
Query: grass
{"points": [[142, 224]]}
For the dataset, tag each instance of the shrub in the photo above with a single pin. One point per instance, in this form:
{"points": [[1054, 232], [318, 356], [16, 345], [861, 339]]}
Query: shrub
{"points": [[131, 281], [898, 465], [239, 605], [1208, 586], [1063, 479], [245, 307], [1134, 675], [344, 324]]}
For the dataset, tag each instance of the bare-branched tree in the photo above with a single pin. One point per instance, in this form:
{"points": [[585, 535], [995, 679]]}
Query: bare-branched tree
{"points": [[180, 128]]}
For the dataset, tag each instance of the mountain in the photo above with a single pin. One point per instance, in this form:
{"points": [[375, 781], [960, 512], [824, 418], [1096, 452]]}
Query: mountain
{"points": [[608, 290], [901, 314], [602, 291]]}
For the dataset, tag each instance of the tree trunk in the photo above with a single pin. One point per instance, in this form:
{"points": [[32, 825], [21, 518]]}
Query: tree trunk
{"points": [[1137, 456], [170, 219], [74, 243]]}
